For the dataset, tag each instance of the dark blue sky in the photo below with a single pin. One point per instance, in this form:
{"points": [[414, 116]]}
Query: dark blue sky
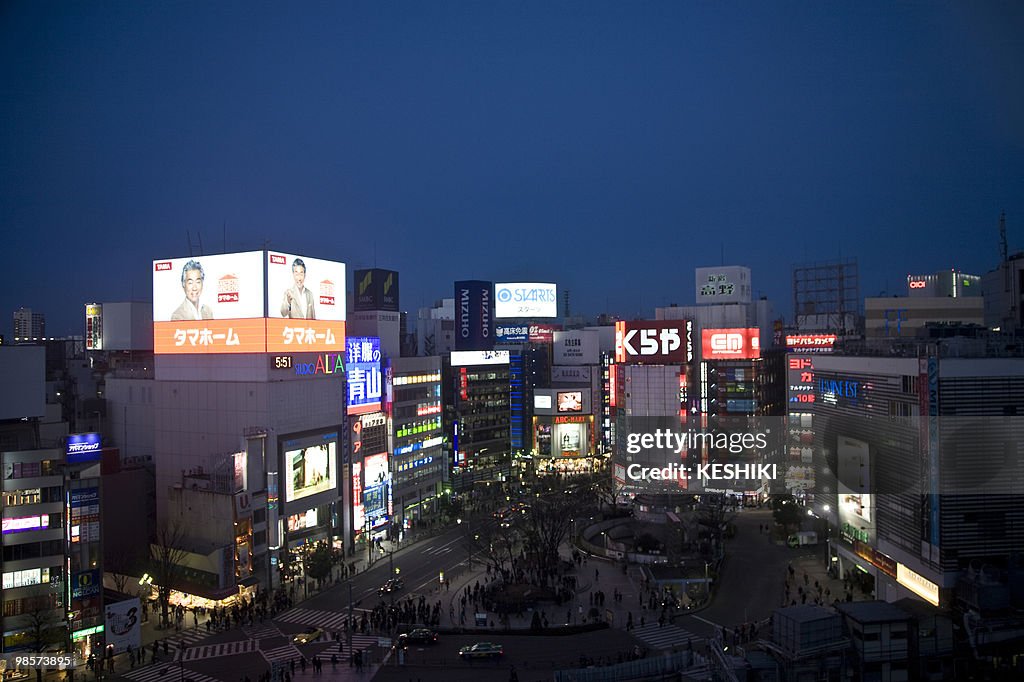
{"points": [[609, 147]]}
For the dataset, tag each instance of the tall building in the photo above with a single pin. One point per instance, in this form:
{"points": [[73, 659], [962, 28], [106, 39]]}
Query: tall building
{"points": [[249, 420], [913, 467], [419, 461], [1003, 291], [479, 385], [29, 325], [51, 544]]}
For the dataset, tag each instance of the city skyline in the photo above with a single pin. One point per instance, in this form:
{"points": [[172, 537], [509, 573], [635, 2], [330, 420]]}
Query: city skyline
{"points": [[611, 150]]}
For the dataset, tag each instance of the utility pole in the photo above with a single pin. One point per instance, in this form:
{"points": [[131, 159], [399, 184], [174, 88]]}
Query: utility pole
{"points": [[351, 623]]}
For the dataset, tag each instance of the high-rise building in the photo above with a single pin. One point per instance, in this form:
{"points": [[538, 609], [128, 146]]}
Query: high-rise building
{"points": [[419, 461], [29, 325], [913, 468], [479, 382]]}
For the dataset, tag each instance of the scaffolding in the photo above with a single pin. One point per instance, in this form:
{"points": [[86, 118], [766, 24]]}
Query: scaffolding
{"points": [[826, 297]]}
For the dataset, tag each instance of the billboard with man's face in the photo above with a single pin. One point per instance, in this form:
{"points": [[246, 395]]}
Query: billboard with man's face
{"points": [[225, 304], [209, 304], [305, 304]]}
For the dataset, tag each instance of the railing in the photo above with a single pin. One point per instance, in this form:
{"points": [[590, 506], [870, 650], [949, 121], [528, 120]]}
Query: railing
{"points": [[632, 670]]}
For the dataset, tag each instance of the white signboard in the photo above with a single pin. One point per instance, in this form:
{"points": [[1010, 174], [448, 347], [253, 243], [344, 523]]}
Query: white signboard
{"points": [[724, 284], [577, 347], [463, 358], [124, 625], [570, 375], [525, 299]]}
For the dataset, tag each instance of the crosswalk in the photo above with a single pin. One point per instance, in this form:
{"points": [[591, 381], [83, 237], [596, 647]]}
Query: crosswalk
{"points": [[189, 638], [665, 637], [325, 620], [264, 630], [358, 642], [201, 651], [166, 672], [281, 653]]}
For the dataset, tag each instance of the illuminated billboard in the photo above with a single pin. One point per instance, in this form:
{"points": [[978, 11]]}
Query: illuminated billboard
{"points": [[83, 447], [223, 287], [93, 326], [654, 342], [570, 401], [209, 304], [463, 358], [474, 315], [525, 299], [304, 288], [856, 517], [362, 356], [305, 304], [570, 436], [731, 344], [376, 289], [311, 466], [821, 343], [376, 481]]}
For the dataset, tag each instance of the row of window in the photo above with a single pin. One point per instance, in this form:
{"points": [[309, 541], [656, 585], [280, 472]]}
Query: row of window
{"points": [[16, 607], [407, 395], [27, 577], [33, 550], [14, 498], [48, 467]]}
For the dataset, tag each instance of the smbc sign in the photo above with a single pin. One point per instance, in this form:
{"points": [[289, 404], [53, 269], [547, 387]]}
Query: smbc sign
{"points": [[656, 343]]}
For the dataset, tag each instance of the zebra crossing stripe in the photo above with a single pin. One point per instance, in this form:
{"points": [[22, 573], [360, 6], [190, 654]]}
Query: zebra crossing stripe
{"points": [[281, 653], [166, 672], [222, 649], [262, 631], [358, 642], [665, 637], [321, 619]]}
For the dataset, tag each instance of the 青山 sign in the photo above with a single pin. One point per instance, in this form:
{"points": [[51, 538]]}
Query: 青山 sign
{"points": [[364, 375]]}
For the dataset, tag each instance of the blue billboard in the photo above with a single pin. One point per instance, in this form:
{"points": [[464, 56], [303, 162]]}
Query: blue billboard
{"points": [[83, 447], [362, 368], [474, 315]]}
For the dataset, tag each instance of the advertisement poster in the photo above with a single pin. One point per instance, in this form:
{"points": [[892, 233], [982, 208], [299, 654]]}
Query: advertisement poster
{"points": [[312, 469], [124, 625]]}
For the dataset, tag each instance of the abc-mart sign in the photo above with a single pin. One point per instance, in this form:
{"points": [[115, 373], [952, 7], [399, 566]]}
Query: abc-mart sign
{"points": [[731, 344], [525, 299], [656, 343]]}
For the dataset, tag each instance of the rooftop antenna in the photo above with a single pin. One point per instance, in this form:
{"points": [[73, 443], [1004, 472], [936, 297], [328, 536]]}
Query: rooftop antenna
{"points": [[1002, 236]]}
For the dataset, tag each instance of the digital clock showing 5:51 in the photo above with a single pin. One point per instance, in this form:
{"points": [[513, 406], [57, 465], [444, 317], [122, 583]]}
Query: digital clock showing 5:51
{"points": [[281, 362]]}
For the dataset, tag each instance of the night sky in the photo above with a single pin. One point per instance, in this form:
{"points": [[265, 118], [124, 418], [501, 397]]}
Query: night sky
{"points": [[608, 147]]}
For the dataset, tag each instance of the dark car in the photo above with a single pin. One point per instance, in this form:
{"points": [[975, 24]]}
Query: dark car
{"points": [[417, 636], [392, 585], [481, 650]]}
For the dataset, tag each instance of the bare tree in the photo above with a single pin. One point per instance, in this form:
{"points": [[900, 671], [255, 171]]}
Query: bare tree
{"points": [[43, 623], [167, 554], [547, 523], [121, 567]]}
